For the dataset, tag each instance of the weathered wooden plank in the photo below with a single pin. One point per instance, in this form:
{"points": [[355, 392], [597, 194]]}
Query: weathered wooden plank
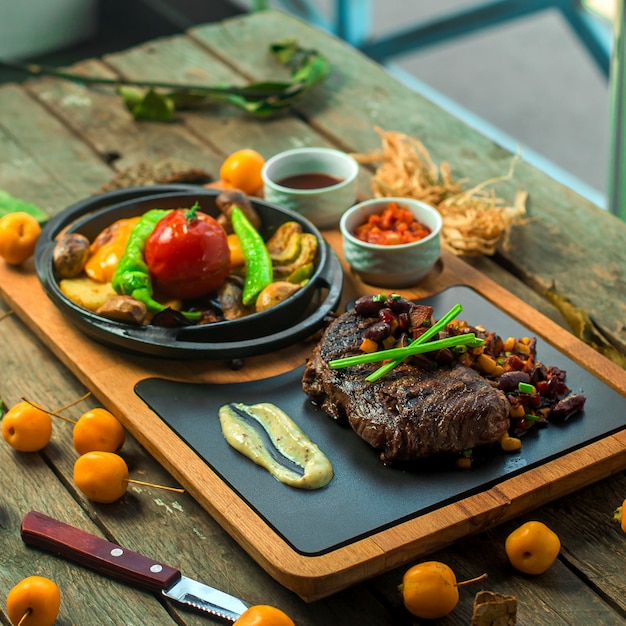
{"points": [[593, 542], [357, 95], [100, 118], [360, 95], [29, 136]]}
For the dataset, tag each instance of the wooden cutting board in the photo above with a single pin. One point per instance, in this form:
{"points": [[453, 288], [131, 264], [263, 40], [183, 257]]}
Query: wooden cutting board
{"points": [[112, 376]]}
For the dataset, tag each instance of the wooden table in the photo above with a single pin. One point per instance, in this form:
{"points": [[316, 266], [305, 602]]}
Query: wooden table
{"points": [[61, 142]]}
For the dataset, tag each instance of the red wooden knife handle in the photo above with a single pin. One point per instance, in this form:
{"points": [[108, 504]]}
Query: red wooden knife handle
{"points": [[104, 557]]}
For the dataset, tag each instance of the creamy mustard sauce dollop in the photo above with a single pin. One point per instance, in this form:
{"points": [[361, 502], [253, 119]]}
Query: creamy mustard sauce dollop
{"points": [[286, 436]]}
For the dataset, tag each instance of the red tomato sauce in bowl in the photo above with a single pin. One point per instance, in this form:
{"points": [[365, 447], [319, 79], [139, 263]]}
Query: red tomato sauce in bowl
{"points": [[396, 225]]}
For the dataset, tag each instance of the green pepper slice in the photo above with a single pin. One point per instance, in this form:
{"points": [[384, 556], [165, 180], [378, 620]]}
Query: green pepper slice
{"points": [[259, 272]]}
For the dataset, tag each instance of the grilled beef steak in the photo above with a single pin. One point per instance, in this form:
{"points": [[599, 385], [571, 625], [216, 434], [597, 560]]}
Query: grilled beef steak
{"points": [[412, 412]]}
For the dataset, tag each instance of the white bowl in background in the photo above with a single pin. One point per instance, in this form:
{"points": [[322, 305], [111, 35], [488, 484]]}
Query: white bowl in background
{"points": [[323, 206]]}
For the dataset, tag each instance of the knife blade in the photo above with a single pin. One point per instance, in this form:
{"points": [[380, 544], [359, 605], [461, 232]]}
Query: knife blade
{"points": [[129, 567]]}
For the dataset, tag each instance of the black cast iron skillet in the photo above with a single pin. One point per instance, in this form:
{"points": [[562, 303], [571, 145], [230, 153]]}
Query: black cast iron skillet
{"points": [[285, 324]]}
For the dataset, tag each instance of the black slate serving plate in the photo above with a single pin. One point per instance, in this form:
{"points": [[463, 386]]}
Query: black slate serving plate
{"points": [[285, 324], [365, 496]]}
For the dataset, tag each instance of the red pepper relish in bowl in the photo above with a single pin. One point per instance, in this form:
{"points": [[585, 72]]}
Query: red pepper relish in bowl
{"points": [[388, 248]]}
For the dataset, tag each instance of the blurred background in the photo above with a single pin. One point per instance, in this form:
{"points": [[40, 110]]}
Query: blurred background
{"points": [[527, 82]]}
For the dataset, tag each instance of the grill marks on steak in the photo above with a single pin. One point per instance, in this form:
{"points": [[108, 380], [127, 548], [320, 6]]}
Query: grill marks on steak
{"points": [[411, 413]]}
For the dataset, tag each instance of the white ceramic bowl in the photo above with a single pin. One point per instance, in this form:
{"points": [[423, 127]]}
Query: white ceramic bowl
{"points": [[396, 266], [321, 205]]}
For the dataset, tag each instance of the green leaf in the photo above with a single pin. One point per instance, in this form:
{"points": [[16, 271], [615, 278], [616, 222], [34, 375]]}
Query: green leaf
{"points": [[11, 204], [284, 50], [131, 96], [148, 106]]}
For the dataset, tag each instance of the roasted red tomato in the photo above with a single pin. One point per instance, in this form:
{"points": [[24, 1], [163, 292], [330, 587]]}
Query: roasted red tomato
{"points": [[187, 254]]}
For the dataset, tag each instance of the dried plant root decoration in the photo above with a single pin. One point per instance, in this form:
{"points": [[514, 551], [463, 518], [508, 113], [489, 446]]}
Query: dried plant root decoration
{"points": [[475, 221], [407, 170]]}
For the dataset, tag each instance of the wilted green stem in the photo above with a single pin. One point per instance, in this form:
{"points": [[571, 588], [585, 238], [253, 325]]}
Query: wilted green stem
{"points": [[148, 101]]}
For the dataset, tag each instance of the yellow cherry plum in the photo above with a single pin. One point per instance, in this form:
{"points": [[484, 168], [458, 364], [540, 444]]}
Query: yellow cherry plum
{"points": [[26, 427], [34, 601], [101, 476], [242, 170], [19, 232], [429, 590], [98, 429], [263, 615], [532, 548]]}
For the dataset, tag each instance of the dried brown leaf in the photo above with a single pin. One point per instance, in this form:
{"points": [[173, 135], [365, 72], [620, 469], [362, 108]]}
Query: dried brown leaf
{"points": [[494, 609], [583, 327]]}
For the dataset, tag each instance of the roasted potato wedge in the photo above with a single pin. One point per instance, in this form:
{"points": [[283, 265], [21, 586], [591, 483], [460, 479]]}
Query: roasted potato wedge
{"points": [[86, 292]]}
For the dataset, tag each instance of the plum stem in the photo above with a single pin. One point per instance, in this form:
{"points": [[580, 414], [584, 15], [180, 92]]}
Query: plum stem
{"points": [[472, 580], [66, 419], [75, 402], [146, 484], [24, 617]]}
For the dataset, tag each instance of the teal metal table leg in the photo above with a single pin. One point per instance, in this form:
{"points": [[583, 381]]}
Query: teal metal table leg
{"points": [[476, 17], [617, 160], [593, 32], [494, 13], [354, 18], [350, 20]]}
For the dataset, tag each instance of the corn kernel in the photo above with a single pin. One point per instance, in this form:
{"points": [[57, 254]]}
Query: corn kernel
{"points": [[389, 342], [517, 411], [522, 348], [486, 363], [510, 444], [465, 462], [498, 371], [509, 344]]}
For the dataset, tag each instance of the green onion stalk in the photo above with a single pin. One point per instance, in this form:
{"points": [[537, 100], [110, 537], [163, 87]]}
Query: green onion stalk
{"points": [[418, 346]]}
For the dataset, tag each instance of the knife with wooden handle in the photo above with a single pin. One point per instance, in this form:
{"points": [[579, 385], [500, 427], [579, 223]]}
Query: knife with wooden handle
{"points": [[111, 560]]}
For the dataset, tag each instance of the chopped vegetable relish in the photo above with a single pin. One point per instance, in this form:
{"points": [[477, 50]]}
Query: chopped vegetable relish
{"points": [[395, 225]]}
